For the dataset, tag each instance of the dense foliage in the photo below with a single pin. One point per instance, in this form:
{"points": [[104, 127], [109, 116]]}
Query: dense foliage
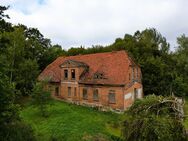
{"points": [[154, 118], [17, 131]]}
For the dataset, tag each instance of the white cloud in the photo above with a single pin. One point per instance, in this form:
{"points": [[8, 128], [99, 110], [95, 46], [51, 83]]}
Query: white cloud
{"points": [[88, 22]]}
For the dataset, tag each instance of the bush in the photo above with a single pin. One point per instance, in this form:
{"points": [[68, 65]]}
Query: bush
{"points": [[17, 131]]}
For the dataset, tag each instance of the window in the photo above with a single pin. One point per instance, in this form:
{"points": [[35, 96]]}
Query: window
{"points": [[57, 91], [95, 95], [111, 96], [73, 73], [65, 74], [69, 91], [85, 93], [135, 93], [98, 75], [75, 91]]}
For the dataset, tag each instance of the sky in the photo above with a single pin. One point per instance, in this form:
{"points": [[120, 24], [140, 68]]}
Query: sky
{"points": [[72, 23]]}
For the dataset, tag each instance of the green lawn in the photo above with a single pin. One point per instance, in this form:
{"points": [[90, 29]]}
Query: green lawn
{"points": [[71, 122]]}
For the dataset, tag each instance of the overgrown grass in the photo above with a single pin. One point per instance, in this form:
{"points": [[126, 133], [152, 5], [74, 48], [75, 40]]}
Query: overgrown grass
{"points": [[186, 113], [71, 122]]}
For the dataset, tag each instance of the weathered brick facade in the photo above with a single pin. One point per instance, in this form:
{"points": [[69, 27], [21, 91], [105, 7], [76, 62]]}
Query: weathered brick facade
{"points": [[107, 80]]}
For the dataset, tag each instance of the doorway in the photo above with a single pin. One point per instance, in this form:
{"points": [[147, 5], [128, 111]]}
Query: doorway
{"points": [[57, 91]]}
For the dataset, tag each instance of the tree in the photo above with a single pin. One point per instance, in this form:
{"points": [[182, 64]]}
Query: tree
{"points": [[41, 97], [75, 51], [14, 51], [182, 44], [8, 110], [11, 126], [19, 63], [25, 78], [180, 57], [151, 50], [37, 46], [155, 118], [52, 53], [4, 26]]}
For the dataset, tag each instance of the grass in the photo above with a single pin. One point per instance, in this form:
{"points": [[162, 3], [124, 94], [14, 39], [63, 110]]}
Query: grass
{"points": [[71, 122], [186, 113]]}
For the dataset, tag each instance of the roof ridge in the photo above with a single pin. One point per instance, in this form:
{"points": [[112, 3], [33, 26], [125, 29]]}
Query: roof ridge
{"points": [[109, 52]]}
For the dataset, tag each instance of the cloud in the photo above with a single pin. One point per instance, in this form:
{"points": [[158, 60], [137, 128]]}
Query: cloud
{"points": [[83, 22]]}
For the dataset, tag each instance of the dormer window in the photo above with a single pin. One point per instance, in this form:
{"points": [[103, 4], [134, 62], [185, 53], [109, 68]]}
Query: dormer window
{"points": [[73, 74], [98, 76], [65, 74]]}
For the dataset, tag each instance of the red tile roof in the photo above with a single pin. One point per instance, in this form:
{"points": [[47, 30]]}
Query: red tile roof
{"points": [[114, 66]]}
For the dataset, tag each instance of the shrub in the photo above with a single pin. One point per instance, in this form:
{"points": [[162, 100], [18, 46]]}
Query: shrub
{"points": [[17, 131]]}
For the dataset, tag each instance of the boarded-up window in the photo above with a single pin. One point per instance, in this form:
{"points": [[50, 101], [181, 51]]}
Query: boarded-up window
{"points": [[111, 96], [135, 93], [69, 91], [65, 74], [95, 95], [73, 73], [75, 91], [85, 96], [139, 93]]}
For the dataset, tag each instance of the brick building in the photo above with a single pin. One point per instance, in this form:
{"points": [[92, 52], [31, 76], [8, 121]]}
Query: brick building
{"points": [[107, 80]]}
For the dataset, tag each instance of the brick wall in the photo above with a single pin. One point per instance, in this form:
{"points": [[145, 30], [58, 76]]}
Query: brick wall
{"points": [[103, 93]]}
